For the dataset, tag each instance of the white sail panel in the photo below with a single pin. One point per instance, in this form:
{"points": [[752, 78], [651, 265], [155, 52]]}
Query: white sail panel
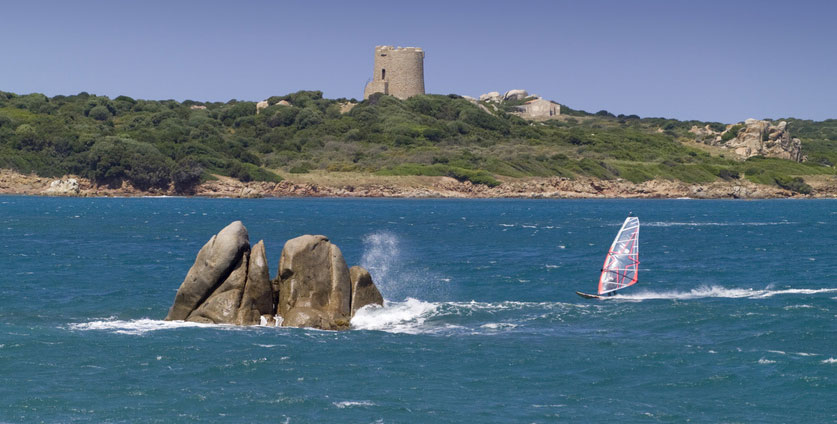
{"points": [[621, 266]]}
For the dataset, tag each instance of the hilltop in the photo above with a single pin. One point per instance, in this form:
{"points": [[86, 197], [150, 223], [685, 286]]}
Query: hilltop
{"points": [[183, 147]]}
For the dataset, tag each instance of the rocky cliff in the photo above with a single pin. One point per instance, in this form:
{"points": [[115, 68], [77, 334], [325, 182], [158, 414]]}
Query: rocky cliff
{"points": [[754, 138]]}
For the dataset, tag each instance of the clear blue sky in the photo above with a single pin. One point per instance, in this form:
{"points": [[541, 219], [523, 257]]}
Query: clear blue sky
{"points": [[709, 60]]}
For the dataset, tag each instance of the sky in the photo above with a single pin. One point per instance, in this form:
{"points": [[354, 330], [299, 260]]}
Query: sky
{"points": [[707, 60]]}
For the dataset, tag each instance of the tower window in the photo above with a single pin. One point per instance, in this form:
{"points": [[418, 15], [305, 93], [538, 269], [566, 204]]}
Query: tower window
{"points": [[383, 74]]}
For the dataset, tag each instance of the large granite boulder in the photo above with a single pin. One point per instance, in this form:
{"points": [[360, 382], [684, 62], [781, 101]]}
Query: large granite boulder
{"points": [[228, 284], [314, 284]]}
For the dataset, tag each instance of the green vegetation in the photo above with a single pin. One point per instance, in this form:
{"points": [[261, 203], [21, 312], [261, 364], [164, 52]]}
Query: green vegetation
{"points": [[153, 144], [732, 133]]}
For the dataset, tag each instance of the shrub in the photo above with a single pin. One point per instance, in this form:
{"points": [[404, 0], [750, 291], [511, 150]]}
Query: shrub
{"points": [[301, 168], [476, 176], [728, 174], [249, 172], [731, 133], [99, 113], [284, 116], [308, 117], [796, 184]]}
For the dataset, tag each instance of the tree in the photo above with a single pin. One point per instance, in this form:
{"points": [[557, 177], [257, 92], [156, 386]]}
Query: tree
{"points": [[112, 160], [99, 113], [186, 175]]}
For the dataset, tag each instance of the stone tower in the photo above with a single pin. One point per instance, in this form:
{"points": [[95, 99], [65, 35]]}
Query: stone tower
{"points": [[398, 72]]}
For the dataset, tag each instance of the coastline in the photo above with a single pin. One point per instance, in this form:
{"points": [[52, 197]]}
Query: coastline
{"points": [[336, 184]]}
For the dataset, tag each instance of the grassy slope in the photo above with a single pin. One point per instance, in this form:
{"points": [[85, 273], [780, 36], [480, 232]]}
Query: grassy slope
{"points": [[153, 142]]}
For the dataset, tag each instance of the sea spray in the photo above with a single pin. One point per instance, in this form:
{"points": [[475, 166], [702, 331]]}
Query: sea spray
{"points": [[396, 276]]}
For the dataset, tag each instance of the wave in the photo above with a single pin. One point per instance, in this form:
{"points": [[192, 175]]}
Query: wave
{"points": [[414, 316], [714, 224], [138, 326], [718, 292], [396, 317], [351, 403]]}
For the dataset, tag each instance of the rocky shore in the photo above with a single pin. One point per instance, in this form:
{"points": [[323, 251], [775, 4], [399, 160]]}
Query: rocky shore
{"points": [[351, 185]]}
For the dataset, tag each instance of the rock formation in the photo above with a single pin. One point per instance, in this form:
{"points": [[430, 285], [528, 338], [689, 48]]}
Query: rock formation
{"points": [[491, 97], [531, 107], [754, 138], [229, 283], [515, 95], [68, 187], [314, 287]]}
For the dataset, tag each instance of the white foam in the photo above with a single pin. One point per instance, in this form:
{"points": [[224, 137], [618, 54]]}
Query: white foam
{"points": [[790, 307], [714, 224], [766, 361], [352, 403], [769, 293], [395, 317], [499, 326], [139, 326], [718, 292], [829, 361]]}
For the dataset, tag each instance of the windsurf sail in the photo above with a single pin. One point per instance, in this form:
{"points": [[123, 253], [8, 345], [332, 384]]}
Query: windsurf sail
{"points": [[621, 266]]}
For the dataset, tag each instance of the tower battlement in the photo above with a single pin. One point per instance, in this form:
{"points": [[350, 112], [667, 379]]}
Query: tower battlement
{"points": [[398, 71]]}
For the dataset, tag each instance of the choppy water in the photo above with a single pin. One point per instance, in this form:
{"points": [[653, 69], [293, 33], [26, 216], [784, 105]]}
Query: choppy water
{"points": [[733, 319]]}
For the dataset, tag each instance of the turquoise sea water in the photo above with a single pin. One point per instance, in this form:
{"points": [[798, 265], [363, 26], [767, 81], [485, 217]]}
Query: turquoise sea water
{"points": [[733, 319]]}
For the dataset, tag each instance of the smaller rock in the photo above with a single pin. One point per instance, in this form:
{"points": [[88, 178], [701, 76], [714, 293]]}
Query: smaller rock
{"points": [[491, 97], [68, 187], [346, 107], [261, 105], [515, 95], [364, 291]]}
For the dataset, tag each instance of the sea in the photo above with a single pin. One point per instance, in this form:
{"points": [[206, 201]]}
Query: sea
{"points": [[733, 320]]}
